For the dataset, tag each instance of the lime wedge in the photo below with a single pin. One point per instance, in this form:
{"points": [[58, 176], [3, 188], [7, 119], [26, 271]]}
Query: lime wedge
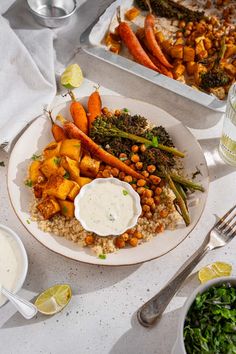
{"points": [[214, 270], [72, 77], [53, 299]]}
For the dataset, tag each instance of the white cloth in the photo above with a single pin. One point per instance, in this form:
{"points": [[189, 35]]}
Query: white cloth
{"points": [[27, 76]]}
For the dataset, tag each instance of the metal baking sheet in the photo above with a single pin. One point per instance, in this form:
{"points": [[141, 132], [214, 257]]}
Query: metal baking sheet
{"points": [[91, 41]]}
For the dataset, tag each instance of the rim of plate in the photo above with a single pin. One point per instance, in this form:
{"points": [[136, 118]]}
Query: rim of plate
{"points": [[99, 261]]}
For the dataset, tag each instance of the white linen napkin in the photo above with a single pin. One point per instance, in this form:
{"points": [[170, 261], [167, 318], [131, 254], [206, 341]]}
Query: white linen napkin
{"points": [[27, 77]]}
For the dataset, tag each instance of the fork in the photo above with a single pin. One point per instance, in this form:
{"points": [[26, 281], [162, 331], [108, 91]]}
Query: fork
{"points": [[221, 233]]}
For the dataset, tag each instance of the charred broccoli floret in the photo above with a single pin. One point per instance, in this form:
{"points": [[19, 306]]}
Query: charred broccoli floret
{"points": [[214, 78]]}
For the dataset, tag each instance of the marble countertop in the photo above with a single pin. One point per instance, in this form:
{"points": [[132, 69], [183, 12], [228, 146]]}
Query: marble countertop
{"points": [[101, 317]]}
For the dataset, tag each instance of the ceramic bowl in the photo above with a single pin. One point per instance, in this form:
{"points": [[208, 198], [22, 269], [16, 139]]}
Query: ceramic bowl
{"points": [[115, 181], [21, 257], [179, 347]]}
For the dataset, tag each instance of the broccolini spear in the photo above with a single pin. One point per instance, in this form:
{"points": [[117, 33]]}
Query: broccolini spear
{"points": [[103, 128], [184, 181], [180, 201]]}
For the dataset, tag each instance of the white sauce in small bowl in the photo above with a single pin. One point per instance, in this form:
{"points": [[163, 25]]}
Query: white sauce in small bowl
{"points": [[107, 206], [13, 262]]}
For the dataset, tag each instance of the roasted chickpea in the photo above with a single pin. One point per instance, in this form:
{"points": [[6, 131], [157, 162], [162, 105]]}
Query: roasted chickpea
{"points": [[148, 215], [158, 191], [143, 148], [182, 24], [134, 186], [121, 176], [155, 179], [125, 236], [164, 213], [133, 241], [179, 34], [140, 190], [139, 165], [127, 162], [105, 110], [157, 199], [146, 208], [148, 193], [117, 112], [141, 182], [106, 173], [128, 179], [99, 174], [89, 240], [138, 235], [119, 242], [160, 228], [150, 201], [122, 155], [135, 148], [145, 174], [135, 158], [114, 172], [151, 168]]}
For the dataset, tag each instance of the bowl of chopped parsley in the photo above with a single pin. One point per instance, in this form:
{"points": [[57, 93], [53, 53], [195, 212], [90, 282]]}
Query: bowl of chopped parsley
{"points": [[208, 319]]}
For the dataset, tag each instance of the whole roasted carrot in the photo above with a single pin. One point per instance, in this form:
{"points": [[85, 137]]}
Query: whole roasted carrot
{"points": [[57, 132], [74, 132], [78, 114], [94, 106], [151, 40], [132, 43]]}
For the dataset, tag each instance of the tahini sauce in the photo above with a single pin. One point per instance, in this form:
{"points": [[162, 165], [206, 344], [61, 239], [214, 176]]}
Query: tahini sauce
{"points": [[9, 262], [107, 208]]}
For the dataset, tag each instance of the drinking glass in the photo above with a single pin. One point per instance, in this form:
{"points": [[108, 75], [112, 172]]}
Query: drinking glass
{"points": [[227, 148]]}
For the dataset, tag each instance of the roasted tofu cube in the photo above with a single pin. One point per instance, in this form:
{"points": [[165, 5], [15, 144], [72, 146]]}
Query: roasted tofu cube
{"points": [[89, 167], [52, 166], [57, 186], [177, 51], [230, 69], [132, 13], [67, 208], [38, 189], [189, 54], [71, 166], [71, 148], [35, 174], [74, 191], [52, 149], [48, 207], [191, 66], [83, 180]]}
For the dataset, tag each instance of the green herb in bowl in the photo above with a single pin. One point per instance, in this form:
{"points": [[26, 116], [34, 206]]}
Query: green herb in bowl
{"points": [[210, 324]]}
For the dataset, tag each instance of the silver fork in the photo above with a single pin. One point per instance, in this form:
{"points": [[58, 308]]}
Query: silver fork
{"points": [[221, 233]]}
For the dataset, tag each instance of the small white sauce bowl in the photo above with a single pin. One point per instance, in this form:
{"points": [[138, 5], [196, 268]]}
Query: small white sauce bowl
{"points": [[23, 259], [115, 181], [179, 347]]}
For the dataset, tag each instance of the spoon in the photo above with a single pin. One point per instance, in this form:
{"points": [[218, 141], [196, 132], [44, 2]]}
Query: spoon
{"points": [[26, 308]]}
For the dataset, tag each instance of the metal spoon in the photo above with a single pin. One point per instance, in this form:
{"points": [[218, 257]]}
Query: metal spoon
{"points": [[26, 308]]}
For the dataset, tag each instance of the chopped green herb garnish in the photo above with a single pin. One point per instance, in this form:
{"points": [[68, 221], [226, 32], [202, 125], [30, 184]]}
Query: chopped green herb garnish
{"points": [[64, 209], [28, 222], [56, 160], [123, 158], [132, 182], [210, 325], [66, 175], [35, 157], [102, 256], [125, 110], [125, 192], [155, 141], [2, 163], [28, 183]]}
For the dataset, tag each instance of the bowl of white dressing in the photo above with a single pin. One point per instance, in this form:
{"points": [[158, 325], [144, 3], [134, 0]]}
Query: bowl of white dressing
{"points": [[107, 207], [13, 262]]}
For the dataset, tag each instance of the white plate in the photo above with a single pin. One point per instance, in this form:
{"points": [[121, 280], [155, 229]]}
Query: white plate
{"points": [[34, 139]]}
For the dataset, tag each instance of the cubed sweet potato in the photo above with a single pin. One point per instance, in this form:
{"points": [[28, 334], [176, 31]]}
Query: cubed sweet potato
{"points": [[167, 45], [57, 186], [67, 208], [74, 191], [191, 67], [177, 51], [52, 166], [71, 166], [71, 148], [89, 167], [48, 207], [189, 54], [83, 180], [230, 69], [159, 36], [35, 174], [178, 70], [132, 13], [52, 149], [230, 50]]}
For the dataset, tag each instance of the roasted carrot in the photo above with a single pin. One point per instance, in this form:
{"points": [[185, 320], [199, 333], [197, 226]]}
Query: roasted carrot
{"points": [[132, 43], [57, 132], [78, 114], [94, 106], [74, 132], [153, 46]]}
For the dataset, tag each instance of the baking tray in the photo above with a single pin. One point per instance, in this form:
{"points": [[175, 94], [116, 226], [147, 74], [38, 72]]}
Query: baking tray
{"points": [[89, 45]]}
